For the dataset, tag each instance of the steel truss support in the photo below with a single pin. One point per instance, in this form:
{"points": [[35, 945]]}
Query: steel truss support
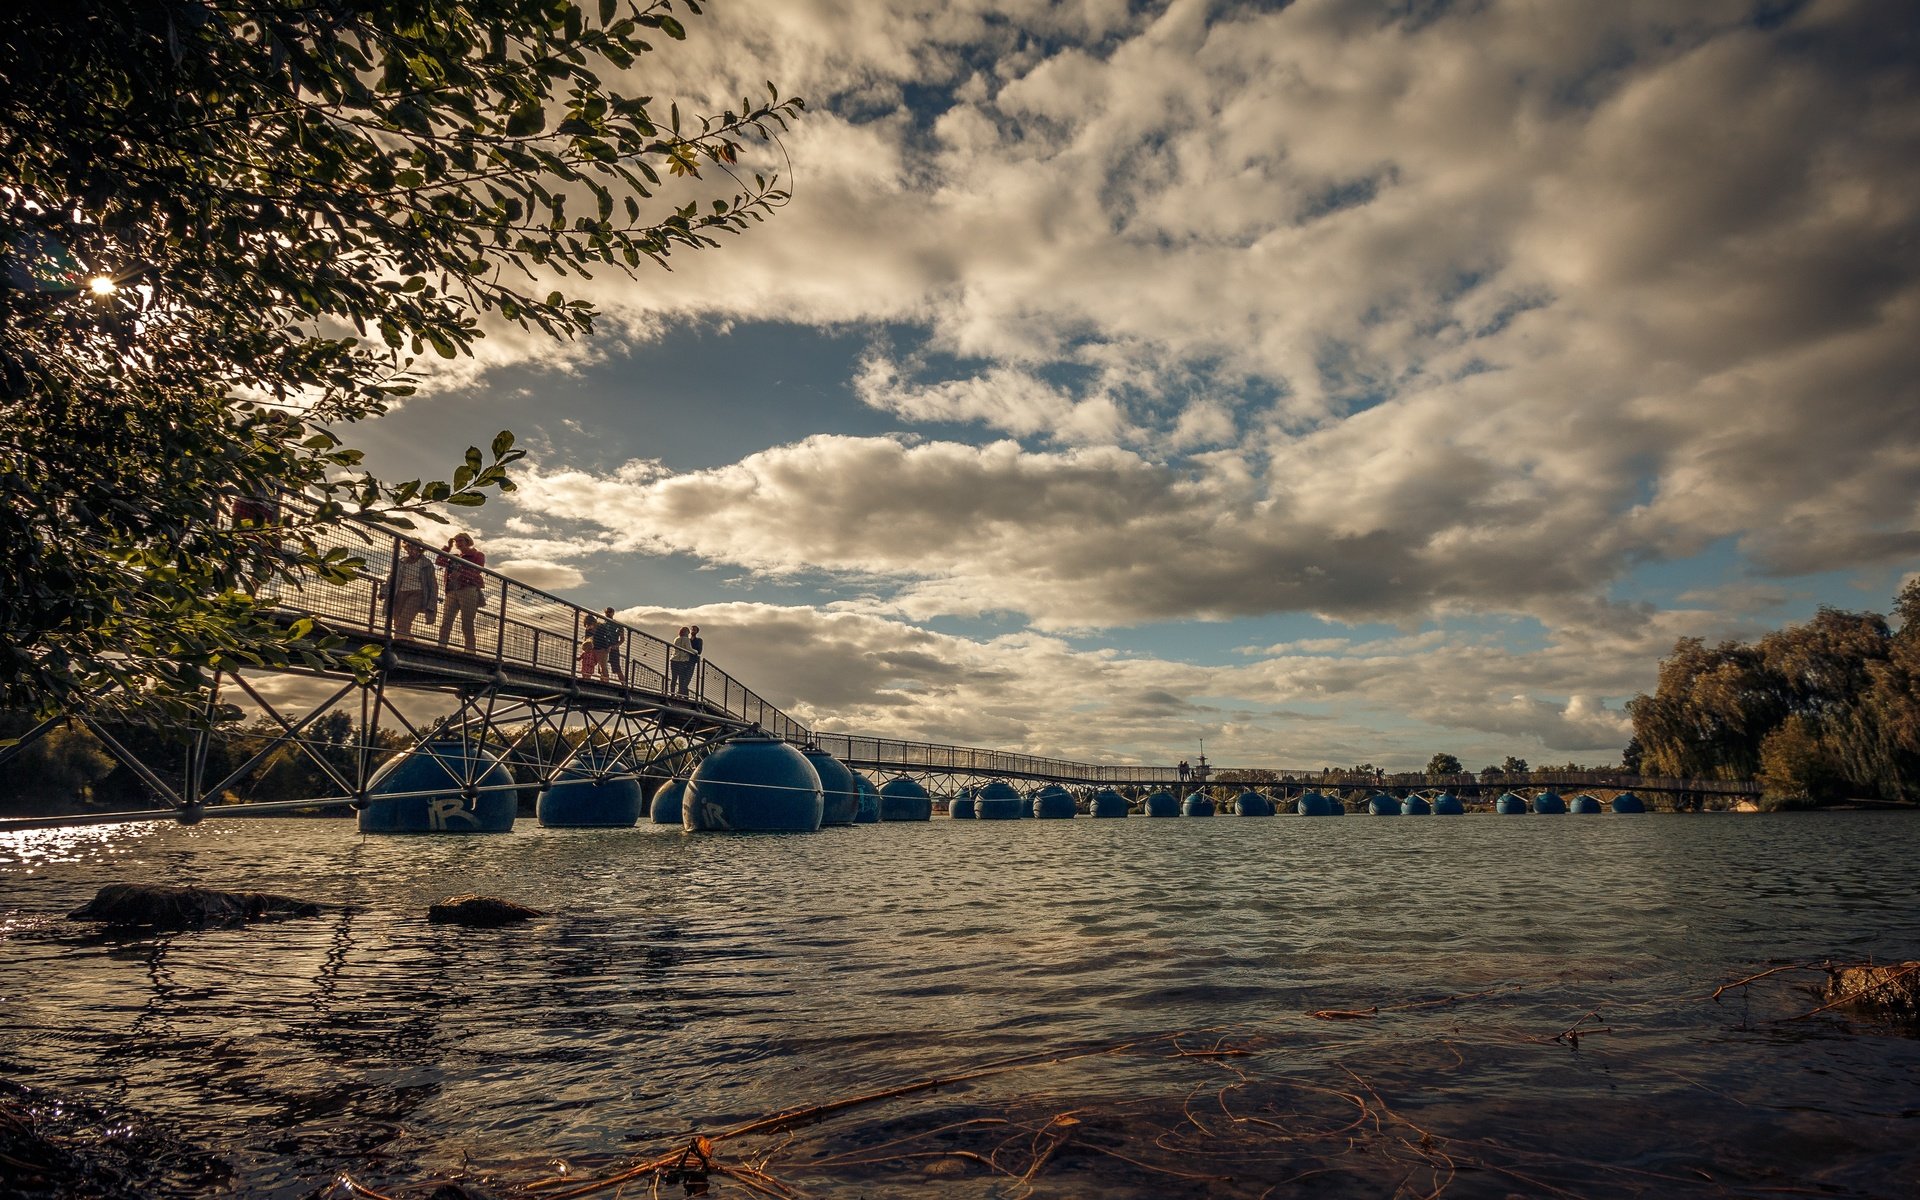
{"points": [[543, 738]]}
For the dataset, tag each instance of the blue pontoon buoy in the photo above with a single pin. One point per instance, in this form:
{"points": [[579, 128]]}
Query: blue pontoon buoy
{"points": [[1199, 804], [1416, 806], [903, 799], [1509, 804], [435, 788], [1312, 804], [583, 796], [1107, 803], [1382, 805], [1446, 804], [754, 784], [1253, 804], [868, 810], [666, 801], [839, 792], [1162, 804], [1627, 802], [1549, 803], [998, 801], [1583, 804], [1054, 803], [1336, 807], [962, 807]]}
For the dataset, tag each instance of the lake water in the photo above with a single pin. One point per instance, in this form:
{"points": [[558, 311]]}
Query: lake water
{"points": [[1148, 983]]}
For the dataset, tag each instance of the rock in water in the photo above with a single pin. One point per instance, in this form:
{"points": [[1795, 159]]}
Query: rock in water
{"points": [[1891, 990], [169, 906], [480, 912]]}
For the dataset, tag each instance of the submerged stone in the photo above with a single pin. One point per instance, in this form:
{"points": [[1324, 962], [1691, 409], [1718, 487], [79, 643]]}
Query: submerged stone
{"points": [[172, 906], [480, 912]]}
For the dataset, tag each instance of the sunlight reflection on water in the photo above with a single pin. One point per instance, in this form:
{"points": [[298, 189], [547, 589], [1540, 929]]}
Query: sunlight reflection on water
{"points": [[690, 982]]}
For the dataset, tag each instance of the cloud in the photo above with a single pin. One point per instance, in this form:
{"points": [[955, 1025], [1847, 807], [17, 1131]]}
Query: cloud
{"points": [[540, 573], [880, 676]]}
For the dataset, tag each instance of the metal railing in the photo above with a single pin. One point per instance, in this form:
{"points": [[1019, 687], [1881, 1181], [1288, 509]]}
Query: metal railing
{"points": [[513, 624], [519, 625]]}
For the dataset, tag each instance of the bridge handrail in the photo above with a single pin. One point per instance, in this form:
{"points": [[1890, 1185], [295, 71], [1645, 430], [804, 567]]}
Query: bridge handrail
{"points": [[527, 626], [516, 623]]}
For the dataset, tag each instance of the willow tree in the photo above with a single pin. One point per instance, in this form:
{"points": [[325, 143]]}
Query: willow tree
{"points": [[231, 228]]}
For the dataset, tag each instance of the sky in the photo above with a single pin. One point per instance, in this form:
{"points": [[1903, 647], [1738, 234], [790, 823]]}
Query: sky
{"points": [[1321, 383]]}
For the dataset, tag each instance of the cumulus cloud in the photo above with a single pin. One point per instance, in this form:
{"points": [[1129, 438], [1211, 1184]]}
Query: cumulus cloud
{"points": [[1321, 309], [872, 674]]}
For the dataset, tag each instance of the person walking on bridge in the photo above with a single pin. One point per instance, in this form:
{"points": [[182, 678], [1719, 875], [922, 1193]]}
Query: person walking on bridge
{"points": [[680, 662], [412, 592], [605, 637], [462, 563], [615, 638], [699, 647]]}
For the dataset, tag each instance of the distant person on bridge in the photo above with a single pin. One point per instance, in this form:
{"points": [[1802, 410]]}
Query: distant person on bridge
{"points": [[617, 636], [699, 652], [680, 662], [462, 564], [413, 592], [606, 637], [590, 653]]}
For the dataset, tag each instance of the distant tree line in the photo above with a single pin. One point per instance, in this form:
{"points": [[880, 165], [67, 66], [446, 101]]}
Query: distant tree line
{"points": [[1822, 711]]}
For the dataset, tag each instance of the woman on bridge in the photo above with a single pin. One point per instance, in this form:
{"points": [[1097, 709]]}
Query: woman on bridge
{"points": [[461, 561]]}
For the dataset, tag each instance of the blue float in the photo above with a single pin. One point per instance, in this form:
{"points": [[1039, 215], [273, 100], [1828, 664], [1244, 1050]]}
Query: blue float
{"points": [[903, 799], [1252, 804], [1313, 804], [447, 774], [998, 801], [1107, 803], [1446, 804], [582, 798], [1197, 805], [868, 810], [1416, 806], [1583, 804], [1336, 807], [962, 807], [1549, 803], [1162, 804], [1627, 802], [1509, 804], [840, 793], [1382, 805], [1054, 803], [754, 784], [666, 801]]}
